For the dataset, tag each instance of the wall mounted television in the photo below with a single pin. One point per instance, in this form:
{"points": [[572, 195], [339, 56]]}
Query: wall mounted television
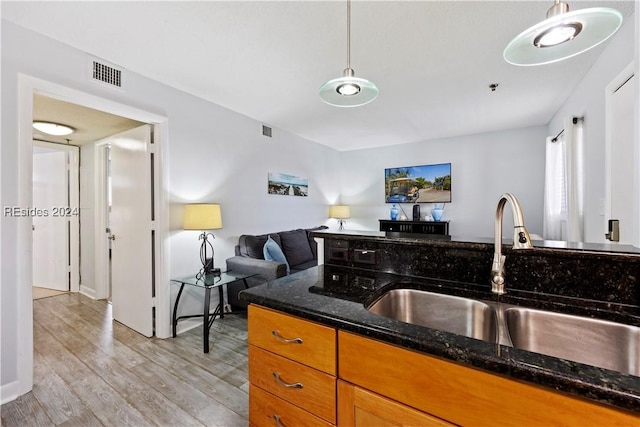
{"points": [[418, 184]]}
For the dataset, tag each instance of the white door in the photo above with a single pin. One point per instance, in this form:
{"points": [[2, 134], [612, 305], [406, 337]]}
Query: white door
{"points": [[55, 217], [620, 189], [131, 225]]}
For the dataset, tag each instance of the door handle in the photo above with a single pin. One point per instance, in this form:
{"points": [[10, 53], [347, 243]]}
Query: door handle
{"points": [[112, 237]]}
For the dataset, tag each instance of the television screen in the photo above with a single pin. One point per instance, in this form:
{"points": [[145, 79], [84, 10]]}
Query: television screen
{"points": [[418, 184]]}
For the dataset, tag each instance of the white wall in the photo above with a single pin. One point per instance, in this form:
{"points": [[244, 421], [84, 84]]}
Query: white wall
{"points": [[213, 155], [87, 222], [588, 101], [483, 167]]}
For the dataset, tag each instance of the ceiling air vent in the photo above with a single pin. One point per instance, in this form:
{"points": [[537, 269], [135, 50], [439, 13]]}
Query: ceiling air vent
{"points": [[266, 131], [106, 74]]}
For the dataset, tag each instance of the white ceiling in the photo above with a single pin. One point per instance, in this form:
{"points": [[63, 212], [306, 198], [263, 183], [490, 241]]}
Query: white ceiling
{"points": [[433, 61], [90, 125]]}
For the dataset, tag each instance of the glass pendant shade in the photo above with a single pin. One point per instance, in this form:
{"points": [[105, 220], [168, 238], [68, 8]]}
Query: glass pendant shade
{"points": [[348, 91], [562, 36]]}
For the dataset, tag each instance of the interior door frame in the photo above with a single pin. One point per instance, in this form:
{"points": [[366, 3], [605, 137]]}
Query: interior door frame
{"points": [[611, 88], [101, 246], [74, 201], [27, 87]]}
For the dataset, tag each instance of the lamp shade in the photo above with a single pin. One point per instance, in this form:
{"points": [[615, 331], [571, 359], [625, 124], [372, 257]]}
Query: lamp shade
{"points": [[202, 216], [339, 212]]}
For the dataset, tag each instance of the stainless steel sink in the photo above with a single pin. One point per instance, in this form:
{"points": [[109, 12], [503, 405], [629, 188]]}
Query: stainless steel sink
{"points": [[457, 315], [594, 342]]}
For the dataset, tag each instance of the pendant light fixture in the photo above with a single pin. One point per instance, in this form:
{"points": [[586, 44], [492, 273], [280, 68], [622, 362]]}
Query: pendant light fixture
{"points": [[348, 90], [562, 35]]}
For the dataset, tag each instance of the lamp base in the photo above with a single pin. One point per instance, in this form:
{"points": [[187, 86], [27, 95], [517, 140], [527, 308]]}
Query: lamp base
{"points": [[209, 269], [216, 272]]}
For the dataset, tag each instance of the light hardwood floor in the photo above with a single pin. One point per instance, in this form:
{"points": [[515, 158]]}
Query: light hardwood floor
{"points": [[91, 371]]}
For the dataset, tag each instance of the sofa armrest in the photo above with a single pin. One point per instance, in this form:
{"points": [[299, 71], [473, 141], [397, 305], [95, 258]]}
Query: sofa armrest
{"points": [[265, 271], [268, 270]]}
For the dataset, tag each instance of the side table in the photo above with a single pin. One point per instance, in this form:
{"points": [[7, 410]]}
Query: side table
{"points": [[207, 282]]}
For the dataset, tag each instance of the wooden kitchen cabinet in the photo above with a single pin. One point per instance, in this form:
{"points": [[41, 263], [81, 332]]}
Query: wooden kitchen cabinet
{"points": [[351, 380], [358, 407], [292, 370], [462, 395]]}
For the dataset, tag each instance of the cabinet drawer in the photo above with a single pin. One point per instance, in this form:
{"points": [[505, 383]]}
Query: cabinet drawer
{"points": [[314, 391], [364, 256], [306, 342], [267, 410], [463, 395], [338, 254]]}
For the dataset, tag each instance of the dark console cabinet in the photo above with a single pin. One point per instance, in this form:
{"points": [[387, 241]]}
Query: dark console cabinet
{"points": [[397, 228]]}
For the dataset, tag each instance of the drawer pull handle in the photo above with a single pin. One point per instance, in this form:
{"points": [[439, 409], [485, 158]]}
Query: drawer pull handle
{"points": [[284, 384], [276, 418], [287, 340]]}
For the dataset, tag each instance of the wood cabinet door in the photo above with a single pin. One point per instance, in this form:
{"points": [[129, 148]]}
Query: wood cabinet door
{"points": [[358, 407]]}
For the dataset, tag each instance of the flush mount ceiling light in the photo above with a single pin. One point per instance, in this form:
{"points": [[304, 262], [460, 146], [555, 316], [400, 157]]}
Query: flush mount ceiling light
{"points": [[562, 35], [348, 91], [53, 128]]}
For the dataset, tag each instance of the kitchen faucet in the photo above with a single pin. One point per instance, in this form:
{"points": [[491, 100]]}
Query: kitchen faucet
{"points": [[521, 240]]}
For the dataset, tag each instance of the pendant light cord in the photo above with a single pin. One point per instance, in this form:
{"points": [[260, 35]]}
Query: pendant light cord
{"points": [[349, 34]]}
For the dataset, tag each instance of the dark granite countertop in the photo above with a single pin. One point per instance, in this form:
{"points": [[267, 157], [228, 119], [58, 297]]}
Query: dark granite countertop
{"points": [[336, 296], [480, 242]]}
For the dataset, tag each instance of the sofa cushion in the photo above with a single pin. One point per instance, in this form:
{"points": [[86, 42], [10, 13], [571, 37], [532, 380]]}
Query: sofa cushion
{"points": [[272, 252], [252, 246], [295, 245]]}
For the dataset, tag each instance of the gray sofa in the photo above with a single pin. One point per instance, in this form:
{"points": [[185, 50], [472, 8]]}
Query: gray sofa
{"points": [[299, 248]]}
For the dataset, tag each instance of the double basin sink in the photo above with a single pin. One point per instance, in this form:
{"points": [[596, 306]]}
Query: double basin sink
{"points": [[595, 342]]}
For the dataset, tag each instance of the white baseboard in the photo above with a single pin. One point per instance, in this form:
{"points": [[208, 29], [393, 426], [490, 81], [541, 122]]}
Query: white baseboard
{"points": [[91, 293], [9, 392]]}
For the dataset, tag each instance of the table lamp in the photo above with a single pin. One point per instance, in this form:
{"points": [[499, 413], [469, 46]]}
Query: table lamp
{"points": [[203, 217], [339, 212]]}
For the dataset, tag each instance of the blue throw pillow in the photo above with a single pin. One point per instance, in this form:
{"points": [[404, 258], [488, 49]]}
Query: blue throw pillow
{"points": [[272, 252]]}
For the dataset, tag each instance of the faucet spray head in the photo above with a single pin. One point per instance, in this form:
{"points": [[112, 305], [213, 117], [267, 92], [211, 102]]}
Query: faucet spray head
{"points": [[521, 240]]}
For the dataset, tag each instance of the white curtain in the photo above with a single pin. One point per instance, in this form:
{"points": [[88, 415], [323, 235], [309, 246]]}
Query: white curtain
{"points": [[554, 190], [564, 185], [575, 180]]}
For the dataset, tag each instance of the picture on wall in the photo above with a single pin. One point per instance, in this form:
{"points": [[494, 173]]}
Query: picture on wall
{"points": [[288, 185]]}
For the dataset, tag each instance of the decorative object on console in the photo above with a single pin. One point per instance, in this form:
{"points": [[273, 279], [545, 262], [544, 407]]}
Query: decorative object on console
{"points": [[418, 184], [393, 213], [203, 217], [562, 35], [437, 212], [341, 213], [416, 212], [348, 91]]}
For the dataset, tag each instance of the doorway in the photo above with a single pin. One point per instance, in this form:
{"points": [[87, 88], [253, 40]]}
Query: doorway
{"points": [[28, 87], [56, 234], [619, 185]]}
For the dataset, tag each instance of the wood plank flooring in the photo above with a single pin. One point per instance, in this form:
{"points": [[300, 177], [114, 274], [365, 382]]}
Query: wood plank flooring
{"points": [[91, 371]]}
